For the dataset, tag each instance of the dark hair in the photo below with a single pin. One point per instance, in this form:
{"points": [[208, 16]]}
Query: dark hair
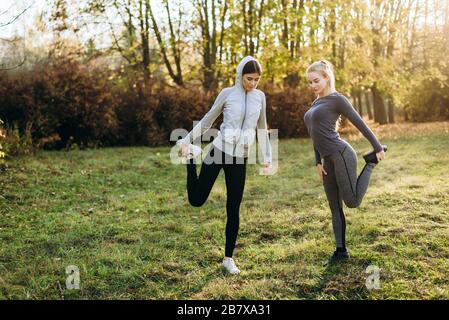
{"points": [[251, 67]]}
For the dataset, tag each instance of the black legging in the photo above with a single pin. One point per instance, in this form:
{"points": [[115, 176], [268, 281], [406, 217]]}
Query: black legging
{"points": [[198, 188]]}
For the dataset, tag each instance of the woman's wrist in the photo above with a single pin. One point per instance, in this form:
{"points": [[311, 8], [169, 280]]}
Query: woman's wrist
{"points": [[181, 142], [378, 148]]}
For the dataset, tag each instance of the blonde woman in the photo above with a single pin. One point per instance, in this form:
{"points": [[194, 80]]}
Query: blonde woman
{"points": [[336, 160]]}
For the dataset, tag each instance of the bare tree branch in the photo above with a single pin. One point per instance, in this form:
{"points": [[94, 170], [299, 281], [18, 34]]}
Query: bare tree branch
{"points": [[117, 44], [16, 17], [10, 40], [6, 11], [16, 66]]}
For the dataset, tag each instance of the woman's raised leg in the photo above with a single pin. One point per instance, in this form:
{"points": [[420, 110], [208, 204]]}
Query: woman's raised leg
{"points": [[198, 188], [352, 188]]}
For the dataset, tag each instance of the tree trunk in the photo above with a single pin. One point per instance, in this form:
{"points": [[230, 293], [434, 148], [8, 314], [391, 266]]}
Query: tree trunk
{"points": [[293, 30], [380, 114], [368, 105], [245, 27], [174, 46], [223, 16], [333, 28], [177, 78], [359, 101], [251, 37], [299, 32], [288, 37], [144, 34], [284, 38], [259, 26], [208, 45], [390, 110]]}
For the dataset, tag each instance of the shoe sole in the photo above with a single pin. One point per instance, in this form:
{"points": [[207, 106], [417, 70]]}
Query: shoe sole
{"points": [[229, 272], [367, 157]]}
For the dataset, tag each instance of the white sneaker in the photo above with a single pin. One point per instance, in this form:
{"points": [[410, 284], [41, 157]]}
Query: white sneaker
{"points": [[229, 265], [193, 152]]}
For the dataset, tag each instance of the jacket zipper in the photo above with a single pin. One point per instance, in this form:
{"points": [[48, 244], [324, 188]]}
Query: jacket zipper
{"points": [[241, 127]]}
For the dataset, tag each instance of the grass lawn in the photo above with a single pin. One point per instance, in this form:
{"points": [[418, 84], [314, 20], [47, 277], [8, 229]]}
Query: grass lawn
{"points": [[121, 216]]}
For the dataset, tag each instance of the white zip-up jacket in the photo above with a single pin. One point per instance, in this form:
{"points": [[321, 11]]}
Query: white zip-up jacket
{"points": [[243, 112]]}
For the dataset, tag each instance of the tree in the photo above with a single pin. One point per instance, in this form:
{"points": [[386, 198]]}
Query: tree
{"points": [[378, 14], [211, 16], [128, 24], [292, 14], [175, 41], [14, 41]]}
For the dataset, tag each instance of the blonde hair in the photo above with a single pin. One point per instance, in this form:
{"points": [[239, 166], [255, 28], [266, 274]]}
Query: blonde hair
{"points": [[326, 69]]}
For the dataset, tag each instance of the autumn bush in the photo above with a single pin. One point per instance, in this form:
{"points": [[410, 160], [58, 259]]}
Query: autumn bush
{"points": [[180, 107], [63, 103], [286, 109], [60, 102], [135, 111], [429, 98]]}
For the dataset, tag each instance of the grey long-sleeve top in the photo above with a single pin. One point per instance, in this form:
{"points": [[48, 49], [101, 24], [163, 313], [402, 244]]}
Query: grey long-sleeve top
{"points": [[321, 121], [243, 113]]}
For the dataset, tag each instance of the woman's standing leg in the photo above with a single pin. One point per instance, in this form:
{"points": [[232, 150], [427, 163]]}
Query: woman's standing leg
{"points": [[352, 188], [198, 188], [335, 204], [235, 175]]}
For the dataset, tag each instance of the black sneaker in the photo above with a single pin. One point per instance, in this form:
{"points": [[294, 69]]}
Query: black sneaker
{"points": [[371, 157], [339, 256]]}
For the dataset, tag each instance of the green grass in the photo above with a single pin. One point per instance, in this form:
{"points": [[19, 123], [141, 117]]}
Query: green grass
{"points": [[121, 215]]}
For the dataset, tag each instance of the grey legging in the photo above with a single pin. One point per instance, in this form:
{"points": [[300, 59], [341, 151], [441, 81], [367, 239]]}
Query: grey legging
{"points": [[342, 184]]}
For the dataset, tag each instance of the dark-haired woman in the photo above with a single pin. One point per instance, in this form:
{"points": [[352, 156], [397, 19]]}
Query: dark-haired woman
{"points": [[244, 110]]}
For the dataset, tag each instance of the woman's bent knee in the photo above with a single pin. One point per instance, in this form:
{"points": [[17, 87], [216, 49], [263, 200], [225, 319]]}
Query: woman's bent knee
{"points": [[196, 202], [352, 203]]}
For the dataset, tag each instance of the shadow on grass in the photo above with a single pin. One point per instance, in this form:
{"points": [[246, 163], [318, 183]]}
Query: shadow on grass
{"points": [[342, 280]]}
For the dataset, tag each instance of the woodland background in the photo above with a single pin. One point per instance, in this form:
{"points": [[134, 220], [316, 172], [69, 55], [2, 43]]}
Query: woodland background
{"points": [[95, 73]]}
